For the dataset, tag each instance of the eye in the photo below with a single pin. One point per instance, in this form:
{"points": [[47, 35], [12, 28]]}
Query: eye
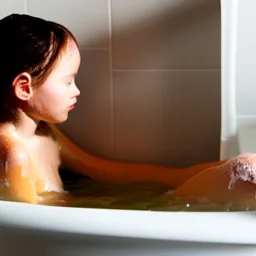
{"points": [[69, 83]]}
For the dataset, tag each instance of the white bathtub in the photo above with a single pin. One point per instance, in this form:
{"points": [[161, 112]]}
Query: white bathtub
{"points": [[46, 230], [28, 229]]}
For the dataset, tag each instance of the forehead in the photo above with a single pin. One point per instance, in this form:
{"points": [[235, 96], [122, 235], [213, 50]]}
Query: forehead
{"points": [[70, 58], [71, 45]]}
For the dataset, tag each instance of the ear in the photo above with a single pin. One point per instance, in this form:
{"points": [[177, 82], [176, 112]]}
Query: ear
{"points": [[22, 85]]}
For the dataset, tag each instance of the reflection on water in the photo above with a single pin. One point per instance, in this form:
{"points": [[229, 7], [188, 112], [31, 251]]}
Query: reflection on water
{"points": [[86, 193]]}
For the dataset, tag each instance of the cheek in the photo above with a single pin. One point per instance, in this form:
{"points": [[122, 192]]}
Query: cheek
{"points": [[45, 101], [53, 94], [55, 91]]}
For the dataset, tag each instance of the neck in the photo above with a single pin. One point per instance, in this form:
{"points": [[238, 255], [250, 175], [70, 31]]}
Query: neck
{"points": [[25, 125]]}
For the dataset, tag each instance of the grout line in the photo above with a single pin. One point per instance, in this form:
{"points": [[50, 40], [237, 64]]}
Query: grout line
{"points": [[246, 116], [94, 48], [163, 70], [111, 78], [26, 6]]}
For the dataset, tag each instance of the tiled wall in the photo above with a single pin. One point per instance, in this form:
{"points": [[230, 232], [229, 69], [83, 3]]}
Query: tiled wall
{"points": [[245, 68], [150, 76]]}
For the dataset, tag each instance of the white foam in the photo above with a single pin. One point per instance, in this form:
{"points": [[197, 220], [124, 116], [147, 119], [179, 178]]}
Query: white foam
{"points": [[244, 168]]}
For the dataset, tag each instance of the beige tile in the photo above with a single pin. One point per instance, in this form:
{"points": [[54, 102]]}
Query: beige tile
{"points": [[90, 123], [166, 34], [170, 117], [87, 19], [191, 119], [12, 6], [137, 115]]}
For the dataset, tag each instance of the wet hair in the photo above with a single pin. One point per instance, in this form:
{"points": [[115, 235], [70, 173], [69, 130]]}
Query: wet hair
{"points": [[28, 44]]}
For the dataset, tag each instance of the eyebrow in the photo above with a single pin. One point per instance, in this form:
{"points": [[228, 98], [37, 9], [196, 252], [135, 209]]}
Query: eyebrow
{"points": [[72, 74]]}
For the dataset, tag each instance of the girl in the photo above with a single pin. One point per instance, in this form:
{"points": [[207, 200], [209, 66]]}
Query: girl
{"points": [[39, 63]]}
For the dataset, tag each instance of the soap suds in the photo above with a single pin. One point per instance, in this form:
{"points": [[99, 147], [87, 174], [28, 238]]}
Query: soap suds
{"points": [[244, 168]]}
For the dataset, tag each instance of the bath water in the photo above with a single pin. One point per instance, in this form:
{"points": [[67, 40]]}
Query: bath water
{"points": [[87, 193]]}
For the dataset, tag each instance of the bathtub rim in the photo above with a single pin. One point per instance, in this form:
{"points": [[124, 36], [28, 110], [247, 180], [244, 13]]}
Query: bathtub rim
{"points": [[227, 227]]}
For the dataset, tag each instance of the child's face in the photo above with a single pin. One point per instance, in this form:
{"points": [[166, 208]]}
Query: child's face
{"points": [[52, 101]]}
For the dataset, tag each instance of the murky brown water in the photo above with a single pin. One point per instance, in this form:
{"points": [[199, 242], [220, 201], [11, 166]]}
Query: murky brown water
{"points": [[86, 193]]}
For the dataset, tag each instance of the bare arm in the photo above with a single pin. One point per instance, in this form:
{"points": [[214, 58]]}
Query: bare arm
{"points": [[106, 170], [19, 178], [78, 160]]}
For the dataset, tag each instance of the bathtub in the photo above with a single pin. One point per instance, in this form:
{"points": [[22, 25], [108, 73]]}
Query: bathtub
{"points": [[48, 230]]}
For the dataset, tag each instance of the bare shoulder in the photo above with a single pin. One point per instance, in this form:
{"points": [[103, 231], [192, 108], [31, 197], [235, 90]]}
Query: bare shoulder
{"points": [[17, 156], [17, 172], [11, 150]]}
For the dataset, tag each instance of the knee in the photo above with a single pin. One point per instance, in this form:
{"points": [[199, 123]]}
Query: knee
{"points": [[242, 167], [247, 156]]}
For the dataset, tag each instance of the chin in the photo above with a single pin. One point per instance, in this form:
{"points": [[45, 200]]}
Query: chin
{"points": [[55, 120], [59, 121]]}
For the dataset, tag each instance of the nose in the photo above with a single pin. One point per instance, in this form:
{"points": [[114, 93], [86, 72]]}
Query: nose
{"points": [[76, 91]]}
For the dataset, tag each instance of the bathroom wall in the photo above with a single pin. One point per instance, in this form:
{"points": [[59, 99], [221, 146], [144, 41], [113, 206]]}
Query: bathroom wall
{"points": [[150, 76], [245, 64]]}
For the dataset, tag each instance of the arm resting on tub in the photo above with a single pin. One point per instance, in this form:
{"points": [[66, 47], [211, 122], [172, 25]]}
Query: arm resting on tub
{"points": [[106, 170]]}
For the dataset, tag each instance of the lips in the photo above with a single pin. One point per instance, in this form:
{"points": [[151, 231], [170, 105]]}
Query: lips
{"points": [[72, 106]]}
